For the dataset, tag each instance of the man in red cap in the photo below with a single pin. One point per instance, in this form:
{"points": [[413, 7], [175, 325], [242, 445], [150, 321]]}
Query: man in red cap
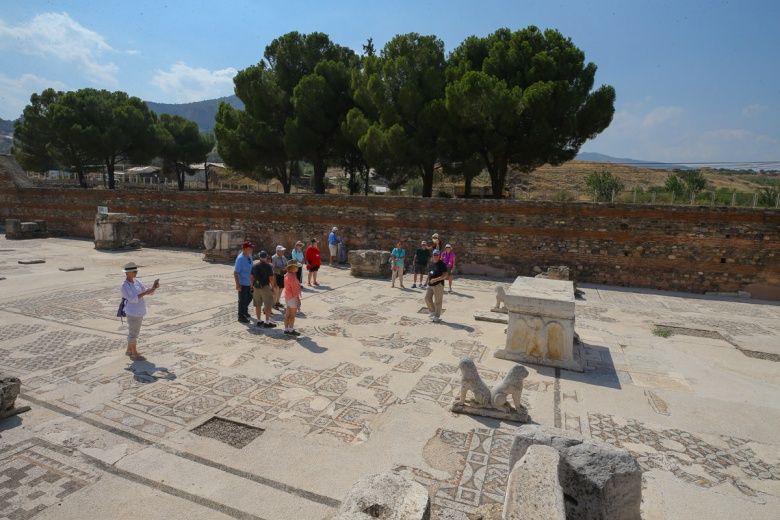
{"points": [[241, 273]]}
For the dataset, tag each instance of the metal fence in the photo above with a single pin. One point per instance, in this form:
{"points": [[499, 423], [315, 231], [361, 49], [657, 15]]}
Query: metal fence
{"points": [[766, 198]]}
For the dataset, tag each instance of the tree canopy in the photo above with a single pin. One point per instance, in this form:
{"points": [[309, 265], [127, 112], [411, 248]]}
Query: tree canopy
{"points": [[181, 144]]}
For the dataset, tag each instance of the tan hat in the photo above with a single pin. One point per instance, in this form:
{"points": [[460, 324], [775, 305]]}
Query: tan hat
{"points": [[292, 263], [130, 267]]}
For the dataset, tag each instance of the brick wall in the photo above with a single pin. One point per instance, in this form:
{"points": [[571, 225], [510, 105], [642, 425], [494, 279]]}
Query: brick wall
{"points": [[694, 249]]}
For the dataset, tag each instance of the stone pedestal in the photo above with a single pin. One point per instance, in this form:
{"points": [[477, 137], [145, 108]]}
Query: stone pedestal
{"points": [[222, 246], [9, 391], [541, 324], [17, 230], [369, 263], [114, 231]]}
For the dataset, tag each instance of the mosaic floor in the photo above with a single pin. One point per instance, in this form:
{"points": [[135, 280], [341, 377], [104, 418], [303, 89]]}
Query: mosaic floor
{"points": [[367, 388]]}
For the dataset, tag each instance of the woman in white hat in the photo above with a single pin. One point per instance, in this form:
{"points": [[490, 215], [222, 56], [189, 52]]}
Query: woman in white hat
{"points": [[133, 293]]}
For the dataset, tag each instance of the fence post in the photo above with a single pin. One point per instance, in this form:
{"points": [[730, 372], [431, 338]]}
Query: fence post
{"points": [[712, 201], [693, 197], [672, 198], [755, 199], [777, 202], [634, 195], [733, 199], [612, 200]]}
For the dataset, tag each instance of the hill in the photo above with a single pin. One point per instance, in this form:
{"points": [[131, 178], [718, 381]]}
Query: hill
{"points": [[202, 112], [6, 127], [6, 133], [601, 158]]}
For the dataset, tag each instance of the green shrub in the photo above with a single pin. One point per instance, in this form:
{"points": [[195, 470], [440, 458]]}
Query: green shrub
{"points": [[662, 332], [601, 185], [767, 196]]}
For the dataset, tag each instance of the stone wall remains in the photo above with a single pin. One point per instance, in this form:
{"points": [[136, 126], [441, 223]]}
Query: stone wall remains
{"points": [[696, 249]]}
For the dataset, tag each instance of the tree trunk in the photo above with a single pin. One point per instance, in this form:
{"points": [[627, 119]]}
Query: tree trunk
{"points": [[427, 177], [110, 164], [180, 177], [366, 177], [467, 186], [206, 169], [82, 180], [319, 175], [498, 181]]}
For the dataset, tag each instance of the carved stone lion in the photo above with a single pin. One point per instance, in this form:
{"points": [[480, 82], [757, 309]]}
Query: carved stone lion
{"points": [[500, 294], [511, 385], [472, 381]]}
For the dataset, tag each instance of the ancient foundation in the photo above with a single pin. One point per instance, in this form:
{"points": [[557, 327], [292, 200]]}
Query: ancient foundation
{"points": [[222, 246], [541, 324], [18, 230], [369, 263], [114, 231]]}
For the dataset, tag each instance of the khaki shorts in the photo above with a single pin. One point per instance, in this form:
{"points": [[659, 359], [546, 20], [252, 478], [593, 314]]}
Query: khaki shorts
{"points": [[334, 250], [263, 296]]}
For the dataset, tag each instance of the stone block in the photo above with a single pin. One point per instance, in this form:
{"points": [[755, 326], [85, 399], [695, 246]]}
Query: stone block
{"points": [[31, 261], [114, 231], [29, 228], [388, 496], [492, 316], [533, 490], [13, 227], [211, 239], [9, 391], [541, 324], [231, 241], [599, 481], [369, 263], [42, 228]]}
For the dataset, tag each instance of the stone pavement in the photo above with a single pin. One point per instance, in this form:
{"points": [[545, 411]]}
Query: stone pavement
{"points": [[365, 390]]}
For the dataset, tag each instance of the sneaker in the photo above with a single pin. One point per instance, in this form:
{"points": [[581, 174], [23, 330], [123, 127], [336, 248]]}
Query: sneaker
{"points": [[414, 286], [287, 333], [269, 325], [294, 333], [436, 319], [243, 320]]}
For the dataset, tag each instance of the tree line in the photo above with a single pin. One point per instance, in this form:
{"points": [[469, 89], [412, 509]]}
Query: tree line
{"points": [[516, 99], [83, 128]]}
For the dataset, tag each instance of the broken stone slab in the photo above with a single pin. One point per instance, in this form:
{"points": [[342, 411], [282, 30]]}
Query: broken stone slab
{"points": [[601, 481], [492, 316], [71, 268], [369, 263], [31, 261], [533, 490], [514, 414], [114, 231], [17, 230], [388, 496], [211, 238], [9, 391], [231, 241]]}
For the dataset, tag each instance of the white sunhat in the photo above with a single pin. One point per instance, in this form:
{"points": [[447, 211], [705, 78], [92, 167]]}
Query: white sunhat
{"points": [[130, 267]]}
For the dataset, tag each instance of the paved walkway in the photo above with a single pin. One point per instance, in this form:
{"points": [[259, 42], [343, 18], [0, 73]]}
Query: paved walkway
{"points": [[366, 389]]}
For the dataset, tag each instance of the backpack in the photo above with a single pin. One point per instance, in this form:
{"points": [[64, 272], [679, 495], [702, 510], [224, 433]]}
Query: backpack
{"points": [[120, 312]]}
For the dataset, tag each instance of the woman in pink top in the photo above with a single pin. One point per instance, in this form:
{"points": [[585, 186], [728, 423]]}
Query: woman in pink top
{"points": [[292, 296], [448, 257]]}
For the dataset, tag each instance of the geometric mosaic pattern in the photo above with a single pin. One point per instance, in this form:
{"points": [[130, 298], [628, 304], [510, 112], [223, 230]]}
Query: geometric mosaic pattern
{"points": [[31, 480], [317, 398], [687, 456], [483, 455]]}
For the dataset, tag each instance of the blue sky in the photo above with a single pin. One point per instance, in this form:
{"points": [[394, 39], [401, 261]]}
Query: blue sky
{"points": [[696, 81]]}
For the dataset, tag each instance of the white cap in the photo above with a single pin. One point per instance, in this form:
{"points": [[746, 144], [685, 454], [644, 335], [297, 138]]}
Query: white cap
{"points": [[281, 248]]}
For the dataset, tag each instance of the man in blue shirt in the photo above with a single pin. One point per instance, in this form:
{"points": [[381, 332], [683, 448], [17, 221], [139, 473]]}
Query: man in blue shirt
{"points": [[333, 245], [241, 271]]}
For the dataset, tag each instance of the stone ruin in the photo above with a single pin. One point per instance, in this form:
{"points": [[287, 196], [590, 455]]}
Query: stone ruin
{"points": [[491, 402], [114, 231], [9, 391], [541, 324], [552, 476], [17, 230], [222, 246], [557, 272], [369, 263]]}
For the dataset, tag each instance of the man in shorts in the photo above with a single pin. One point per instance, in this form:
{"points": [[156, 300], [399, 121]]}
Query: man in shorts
{"points": [[279, 265], [263, 286], [421, 257]]}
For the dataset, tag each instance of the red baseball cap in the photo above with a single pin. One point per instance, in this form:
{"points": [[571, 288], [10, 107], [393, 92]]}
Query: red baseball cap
{"points": [[246, 244]]}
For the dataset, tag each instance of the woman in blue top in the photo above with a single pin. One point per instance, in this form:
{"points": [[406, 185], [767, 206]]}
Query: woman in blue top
{"points": [[397, 263], [297, 255]]}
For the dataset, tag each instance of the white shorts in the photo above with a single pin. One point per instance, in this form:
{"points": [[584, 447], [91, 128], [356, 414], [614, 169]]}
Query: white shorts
{"points": [[293, 303], [334, 250]]}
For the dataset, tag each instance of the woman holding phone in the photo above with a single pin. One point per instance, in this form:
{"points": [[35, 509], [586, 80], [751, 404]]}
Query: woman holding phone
{"points": [[133, 293]]}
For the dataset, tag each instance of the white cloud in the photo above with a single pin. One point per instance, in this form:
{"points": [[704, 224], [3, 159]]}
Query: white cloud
{"points": [[15, 92], [184, 84], [662, 134], [57, 35], [754, 110], [661, 115]]}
